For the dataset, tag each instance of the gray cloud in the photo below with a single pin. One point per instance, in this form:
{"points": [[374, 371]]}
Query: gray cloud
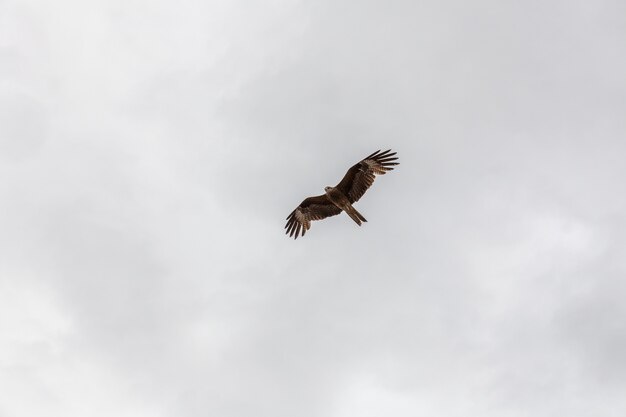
{"points": [[151, 151]]}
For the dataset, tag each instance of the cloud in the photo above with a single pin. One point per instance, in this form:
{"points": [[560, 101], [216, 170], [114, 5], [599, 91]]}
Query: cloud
{"points": [[151, 152]]}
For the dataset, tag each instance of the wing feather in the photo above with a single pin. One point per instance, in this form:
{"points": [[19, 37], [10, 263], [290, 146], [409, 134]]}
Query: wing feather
{"points": [[312, 208], [361, 176]]}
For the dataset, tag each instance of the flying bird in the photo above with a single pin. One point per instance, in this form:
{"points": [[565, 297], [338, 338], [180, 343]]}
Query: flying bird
{"points": [[341, 197]]}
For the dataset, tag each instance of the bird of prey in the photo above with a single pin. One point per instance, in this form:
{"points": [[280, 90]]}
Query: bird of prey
{"points": [[340, 198]]}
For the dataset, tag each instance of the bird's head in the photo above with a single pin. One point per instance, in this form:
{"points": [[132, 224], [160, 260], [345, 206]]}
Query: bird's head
{"points": [[328, 188]]}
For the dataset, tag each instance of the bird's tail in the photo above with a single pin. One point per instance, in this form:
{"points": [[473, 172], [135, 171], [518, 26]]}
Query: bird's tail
{"points": [[354, 215]]}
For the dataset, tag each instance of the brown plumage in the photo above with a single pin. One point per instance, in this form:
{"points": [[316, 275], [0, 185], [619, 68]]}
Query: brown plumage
{"points": [[340, 198]]}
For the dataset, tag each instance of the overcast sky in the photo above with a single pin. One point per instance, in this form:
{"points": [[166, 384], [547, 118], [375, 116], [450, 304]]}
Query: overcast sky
{"points": [[151, 150]]}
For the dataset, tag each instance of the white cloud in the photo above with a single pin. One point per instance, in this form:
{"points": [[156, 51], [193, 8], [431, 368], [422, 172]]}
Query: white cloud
{"points": [[150, 151]]}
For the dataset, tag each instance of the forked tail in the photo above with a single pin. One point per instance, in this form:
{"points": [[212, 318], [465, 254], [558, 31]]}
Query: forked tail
{"points": [[355, 215]]}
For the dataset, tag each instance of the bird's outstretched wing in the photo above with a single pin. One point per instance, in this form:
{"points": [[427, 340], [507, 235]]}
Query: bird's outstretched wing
{"points": [[361, 176], [312, 208]]}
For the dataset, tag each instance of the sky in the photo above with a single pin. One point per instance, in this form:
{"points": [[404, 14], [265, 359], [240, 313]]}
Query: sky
{"points": [[150, 152]]}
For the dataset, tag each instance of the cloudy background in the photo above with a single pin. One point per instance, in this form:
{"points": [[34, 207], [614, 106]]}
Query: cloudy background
{"points": [[151, 150]]}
